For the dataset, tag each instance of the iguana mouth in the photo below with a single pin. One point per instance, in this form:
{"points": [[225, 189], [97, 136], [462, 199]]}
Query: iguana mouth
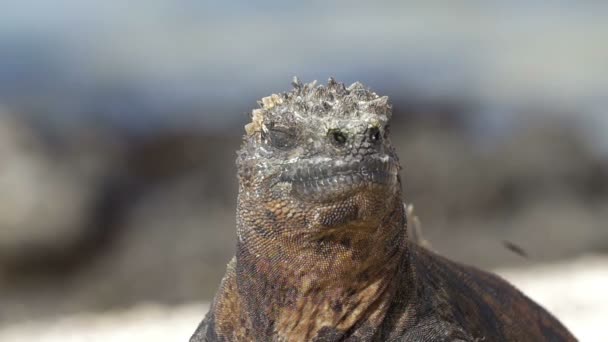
{"points": [[330, 180]]}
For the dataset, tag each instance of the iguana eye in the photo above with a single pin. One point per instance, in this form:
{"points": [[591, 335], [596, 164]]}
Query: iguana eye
{"points": [[337, 137], [280, 137]]}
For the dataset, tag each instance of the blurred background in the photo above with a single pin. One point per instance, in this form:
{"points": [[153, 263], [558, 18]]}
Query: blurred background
{"points": [[119, 122]]}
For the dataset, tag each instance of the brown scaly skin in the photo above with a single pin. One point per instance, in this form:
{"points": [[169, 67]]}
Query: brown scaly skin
{"points": [[323, 253]]}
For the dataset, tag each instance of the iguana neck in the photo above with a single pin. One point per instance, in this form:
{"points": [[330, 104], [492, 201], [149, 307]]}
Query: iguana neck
{"points": [[299, 289]]}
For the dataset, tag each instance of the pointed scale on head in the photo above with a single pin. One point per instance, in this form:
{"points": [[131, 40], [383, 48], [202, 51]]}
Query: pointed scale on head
{"points": [[313, 103]]}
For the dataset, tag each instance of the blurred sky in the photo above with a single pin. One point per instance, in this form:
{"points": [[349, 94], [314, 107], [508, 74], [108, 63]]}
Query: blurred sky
{"points": [[148, 63]]}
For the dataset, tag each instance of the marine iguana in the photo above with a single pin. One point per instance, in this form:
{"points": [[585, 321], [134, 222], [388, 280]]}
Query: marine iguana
{"points": [[323, 252]]}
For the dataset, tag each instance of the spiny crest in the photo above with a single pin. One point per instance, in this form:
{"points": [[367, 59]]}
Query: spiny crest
{"points": [[334, 99]]}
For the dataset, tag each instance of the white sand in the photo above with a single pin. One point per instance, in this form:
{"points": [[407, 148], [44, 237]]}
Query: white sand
{"points": [[575, 291]]}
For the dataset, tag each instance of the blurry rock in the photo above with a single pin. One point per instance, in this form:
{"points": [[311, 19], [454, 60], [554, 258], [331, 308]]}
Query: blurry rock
{"points": [[546, 158], [169, 156], [49, 197], [177, 242], [169, 214], [178, 234], [439, 174], [447, 175], [542, 187]]}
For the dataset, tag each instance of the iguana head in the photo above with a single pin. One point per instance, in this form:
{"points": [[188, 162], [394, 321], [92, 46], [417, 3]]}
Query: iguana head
{"points": [[320, 155]]}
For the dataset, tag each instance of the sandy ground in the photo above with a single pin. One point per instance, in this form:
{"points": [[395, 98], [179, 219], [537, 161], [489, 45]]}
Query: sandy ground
{"points": [[574, 291]]}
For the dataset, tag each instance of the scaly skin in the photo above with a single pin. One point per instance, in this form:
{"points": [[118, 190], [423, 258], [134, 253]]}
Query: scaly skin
{"points": [[323, 252]]}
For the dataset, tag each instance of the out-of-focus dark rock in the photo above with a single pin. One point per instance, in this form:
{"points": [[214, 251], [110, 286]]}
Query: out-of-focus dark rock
{"points": [[159, 209], [172, 221], [50, 197], [541, 187], [169, 156]]}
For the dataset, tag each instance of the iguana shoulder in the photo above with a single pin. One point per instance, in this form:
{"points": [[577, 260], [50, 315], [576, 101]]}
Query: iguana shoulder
{"points": [[483, 304]]}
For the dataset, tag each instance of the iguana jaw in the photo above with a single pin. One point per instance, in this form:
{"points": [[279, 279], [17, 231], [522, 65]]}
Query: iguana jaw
{"points": [[330, 181]]}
